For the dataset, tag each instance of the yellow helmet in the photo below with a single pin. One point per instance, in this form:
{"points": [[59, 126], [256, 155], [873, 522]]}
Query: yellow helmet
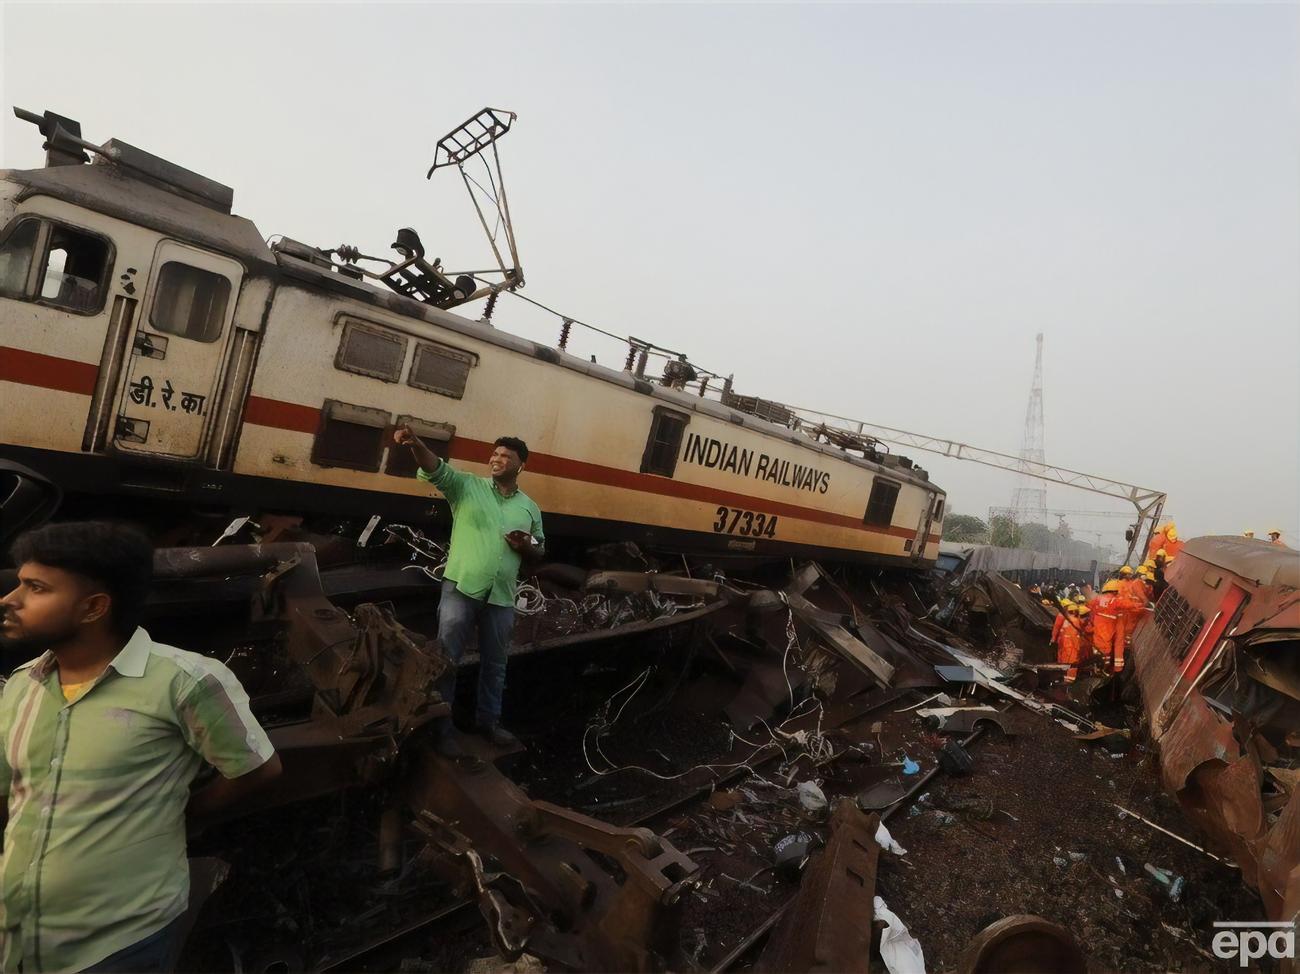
{"points": [[1111, 586], [1125, 570], [1162, 553], [1072, 607], [1170, 526], [1273, 531], [1084, 610], [1248, 534], [1172, 533]]}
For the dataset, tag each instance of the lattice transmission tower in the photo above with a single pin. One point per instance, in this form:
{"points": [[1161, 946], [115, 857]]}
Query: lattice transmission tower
{"points": [[1029, 498]]}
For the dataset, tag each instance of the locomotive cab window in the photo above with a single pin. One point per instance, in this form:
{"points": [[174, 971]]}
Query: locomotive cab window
{"points": [[56, 265], [664, 442], [190, 302], [938, 509], [880, 505]]}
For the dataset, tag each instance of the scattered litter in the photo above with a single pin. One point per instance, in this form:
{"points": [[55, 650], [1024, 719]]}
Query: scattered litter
{"points": [[1058, 862], [955, 759], [1120, 862], [886, 841], [790, 854], [1076, 856], [811, 797], [744, 883], [910, 766], [900, 951], [1171, 881]]}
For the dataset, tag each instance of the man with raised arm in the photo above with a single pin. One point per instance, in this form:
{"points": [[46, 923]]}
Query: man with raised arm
{"points": [[495, 528]]}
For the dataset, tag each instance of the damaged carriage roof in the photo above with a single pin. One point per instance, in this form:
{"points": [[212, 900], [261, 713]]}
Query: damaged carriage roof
{"points": [[1263, 563]]}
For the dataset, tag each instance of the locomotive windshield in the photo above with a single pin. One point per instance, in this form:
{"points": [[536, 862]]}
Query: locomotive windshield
{"points": [[71, 271]]}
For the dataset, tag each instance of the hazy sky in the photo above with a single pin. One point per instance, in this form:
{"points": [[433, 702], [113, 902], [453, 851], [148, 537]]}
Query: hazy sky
{"points": [[867, 209]]}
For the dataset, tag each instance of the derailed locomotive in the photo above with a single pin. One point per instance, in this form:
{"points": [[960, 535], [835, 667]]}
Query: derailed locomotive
{"points": [[154, 346]]}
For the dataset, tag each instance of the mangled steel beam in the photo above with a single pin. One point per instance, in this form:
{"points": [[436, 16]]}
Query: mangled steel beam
{"points": [[545, 893], [661, 584], [841, 640], [828, 926], [526, 863], [372, 680]]}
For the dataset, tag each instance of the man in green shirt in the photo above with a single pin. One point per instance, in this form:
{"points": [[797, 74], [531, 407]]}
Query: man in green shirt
{"points": [[100, 738], [495, 527]]}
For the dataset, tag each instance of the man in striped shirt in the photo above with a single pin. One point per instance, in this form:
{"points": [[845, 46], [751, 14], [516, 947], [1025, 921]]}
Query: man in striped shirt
{"points": [[101, 737]]}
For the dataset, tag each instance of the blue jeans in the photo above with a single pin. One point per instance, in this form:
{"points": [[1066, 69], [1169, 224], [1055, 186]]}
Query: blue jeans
{"points": [[155, 954], [457, 616]]}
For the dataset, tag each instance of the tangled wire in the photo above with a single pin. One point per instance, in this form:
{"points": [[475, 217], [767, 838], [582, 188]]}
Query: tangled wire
{"points": [[811, 743], [426, 555]]}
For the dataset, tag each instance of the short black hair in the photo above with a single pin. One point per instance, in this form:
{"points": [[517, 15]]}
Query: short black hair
{"points": [[116, 556], [514, 443]]}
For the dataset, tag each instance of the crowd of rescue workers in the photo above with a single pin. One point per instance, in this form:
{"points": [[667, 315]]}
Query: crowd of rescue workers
{"points": [[1093, 630]]}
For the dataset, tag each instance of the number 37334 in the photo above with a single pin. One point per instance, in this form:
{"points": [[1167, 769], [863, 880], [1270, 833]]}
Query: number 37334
{"points": [[733, 520]]}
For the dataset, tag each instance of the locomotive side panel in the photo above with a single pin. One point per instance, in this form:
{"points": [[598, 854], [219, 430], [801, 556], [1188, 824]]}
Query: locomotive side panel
{"points": [[592, 464]]}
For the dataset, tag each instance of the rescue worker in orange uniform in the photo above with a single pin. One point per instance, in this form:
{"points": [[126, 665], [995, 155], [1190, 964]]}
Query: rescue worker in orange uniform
{"points": [[1133, 591], [1158, 539], [1071, 648], [1059, 622], [1147, 575], [1173, 544], [1108, 610]]}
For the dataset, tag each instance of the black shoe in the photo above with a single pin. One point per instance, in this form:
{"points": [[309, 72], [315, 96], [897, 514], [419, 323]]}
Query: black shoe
{"points": [[498, 735]]}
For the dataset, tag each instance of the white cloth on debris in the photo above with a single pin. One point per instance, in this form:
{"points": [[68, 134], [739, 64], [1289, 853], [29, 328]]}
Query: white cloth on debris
{"points": [[811, 796], [900, 951], [886, 841]]}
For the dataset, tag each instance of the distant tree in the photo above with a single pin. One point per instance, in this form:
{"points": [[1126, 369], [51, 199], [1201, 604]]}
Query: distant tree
{"points": [[1036, 537], [965, 527], [1004, 532]]}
